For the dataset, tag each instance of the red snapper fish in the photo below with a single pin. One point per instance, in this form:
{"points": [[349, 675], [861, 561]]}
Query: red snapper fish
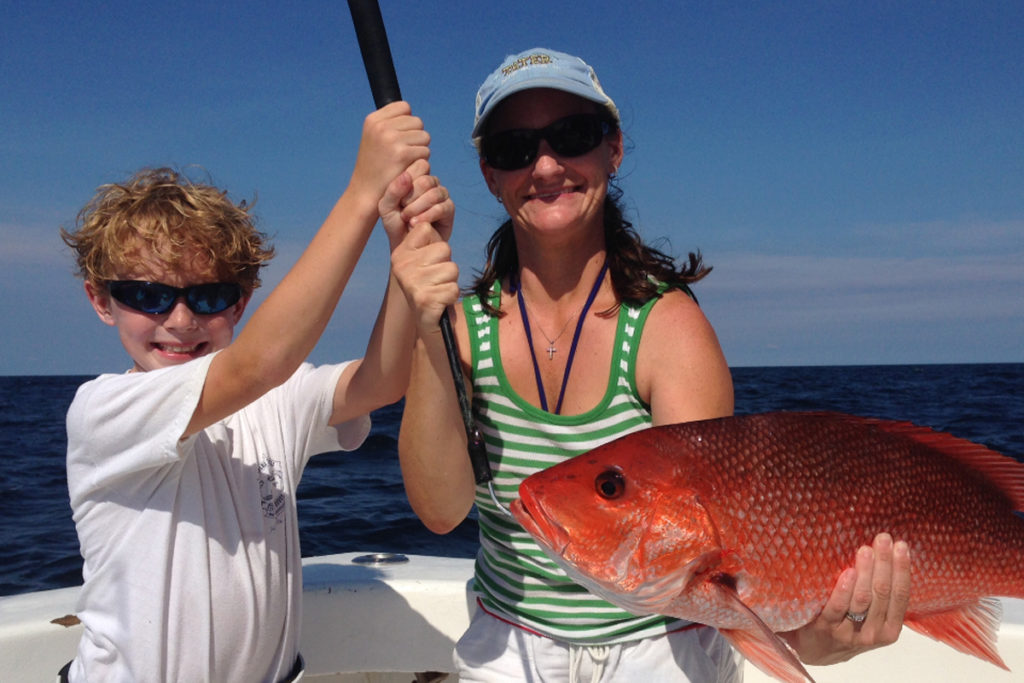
{"points": [[745, 524]]}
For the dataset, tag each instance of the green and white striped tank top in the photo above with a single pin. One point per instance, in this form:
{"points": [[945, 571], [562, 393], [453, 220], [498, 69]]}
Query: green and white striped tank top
{"points": [[514, 578]]}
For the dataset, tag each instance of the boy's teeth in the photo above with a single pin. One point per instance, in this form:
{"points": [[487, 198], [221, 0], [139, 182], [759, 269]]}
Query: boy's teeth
{"points": [[179, 349]]}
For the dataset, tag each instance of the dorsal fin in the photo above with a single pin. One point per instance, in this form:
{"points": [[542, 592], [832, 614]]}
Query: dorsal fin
{"points": [[1003, 471]]}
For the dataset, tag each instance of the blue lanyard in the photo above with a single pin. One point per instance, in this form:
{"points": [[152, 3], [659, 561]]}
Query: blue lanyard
{"points": [[572, 349]]}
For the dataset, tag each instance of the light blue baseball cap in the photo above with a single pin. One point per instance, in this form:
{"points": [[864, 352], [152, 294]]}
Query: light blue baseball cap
{"points": [[538, 68]]}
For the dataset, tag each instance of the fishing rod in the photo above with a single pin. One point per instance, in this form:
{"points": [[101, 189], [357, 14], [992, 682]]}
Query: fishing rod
{"points": [[380, 70]]}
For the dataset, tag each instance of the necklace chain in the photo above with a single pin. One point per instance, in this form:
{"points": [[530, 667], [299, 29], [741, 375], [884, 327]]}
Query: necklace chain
{"points": [[551, 349], [551, 342]]}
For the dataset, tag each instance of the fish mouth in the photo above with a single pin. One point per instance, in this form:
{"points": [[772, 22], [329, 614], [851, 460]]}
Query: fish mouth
{"points": [[554, 540], [539, 524]]}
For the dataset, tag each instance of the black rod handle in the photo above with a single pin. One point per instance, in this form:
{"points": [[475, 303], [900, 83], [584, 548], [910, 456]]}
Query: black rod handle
{"points": [[373, 44], [380, 70]]}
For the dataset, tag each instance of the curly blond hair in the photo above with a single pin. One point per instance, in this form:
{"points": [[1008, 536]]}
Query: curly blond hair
{"points": [[163, 216]]}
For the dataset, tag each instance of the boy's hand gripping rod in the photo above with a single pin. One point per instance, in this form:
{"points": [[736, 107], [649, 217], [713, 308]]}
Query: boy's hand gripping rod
{"points": [[380, 70]]}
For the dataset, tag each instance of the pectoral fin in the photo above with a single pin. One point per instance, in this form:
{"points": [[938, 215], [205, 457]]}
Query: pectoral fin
{"points": [[758, 643]]}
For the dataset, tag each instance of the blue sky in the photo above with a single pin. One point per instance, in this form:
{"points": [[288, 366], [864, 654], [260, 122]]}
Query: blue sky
{"points": [[854, 171]]}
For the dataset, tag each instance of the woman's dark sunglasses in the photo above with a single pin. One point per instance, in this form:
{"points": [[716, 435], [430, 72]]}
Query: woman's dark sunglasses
{"points": [[572, 136], [156, 297]]}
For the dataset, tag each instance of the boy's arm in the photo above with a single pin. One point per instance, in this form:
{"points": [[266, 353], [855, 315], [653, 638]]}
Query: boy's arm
{"points": [[422, 282], [286, 327]]}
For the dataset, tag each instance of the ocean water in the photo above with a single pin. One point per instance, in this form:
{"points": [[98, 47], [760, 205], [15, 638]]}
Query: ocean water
{"points": [[355, 501]]}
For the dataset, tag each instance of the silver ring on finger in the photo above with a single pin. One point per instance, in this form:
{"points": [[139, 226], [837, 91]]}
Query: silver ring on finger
{"points": [[857, 617]]}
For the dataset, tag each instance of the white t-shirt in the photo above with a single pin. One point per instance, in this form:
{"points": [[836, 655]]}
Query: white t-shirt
{"points": [[192, 568]]}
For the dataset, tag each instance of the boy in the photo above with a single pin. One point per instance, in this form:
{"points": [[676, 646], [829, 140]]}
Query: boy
{"points": [[182, 472]]}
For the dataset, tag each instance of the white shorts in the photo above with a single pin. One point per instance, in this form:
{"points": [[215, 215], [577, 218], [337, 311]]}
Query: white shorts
{"points": [[493, 651]]}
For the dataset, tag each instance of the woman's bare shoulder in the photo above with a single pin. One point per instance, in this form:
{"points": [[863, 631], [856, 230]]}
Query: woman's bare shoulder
{"points": [[681, 368]]}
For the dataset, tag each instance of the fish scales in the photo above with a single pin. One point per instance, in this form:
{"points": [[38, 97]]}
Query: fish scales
{"points": [[829, 486], [769, 509]]}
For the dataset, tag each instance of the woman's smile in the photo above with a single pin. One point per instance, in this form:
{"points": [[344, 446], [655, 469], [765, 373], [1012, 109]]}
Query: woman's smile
{"points": [[552, 195]]}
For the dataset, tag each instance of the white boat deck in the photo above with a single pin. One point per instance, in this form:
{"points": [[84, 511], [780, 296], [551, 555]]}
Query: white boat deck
{"points": [[384, 623]]}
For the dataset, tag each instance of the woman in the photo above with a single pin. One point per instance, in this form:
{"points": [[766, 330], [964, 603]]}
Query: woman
{"points": [[577, 333]]}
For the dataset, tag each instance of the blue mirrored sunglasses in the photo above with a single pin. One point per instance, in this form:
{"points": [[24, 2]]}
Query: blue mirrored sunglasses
{"points": [[572, 136], [156, 297]]}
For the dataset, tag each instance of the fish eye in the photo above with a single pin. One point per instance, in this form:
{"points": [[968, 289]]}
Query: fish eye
{"points": [[610, 484]]}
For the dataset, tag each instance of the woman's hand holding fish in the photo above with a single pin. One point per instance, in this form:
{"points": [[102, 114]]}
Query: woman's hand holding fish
{"points": [[877, 588]]}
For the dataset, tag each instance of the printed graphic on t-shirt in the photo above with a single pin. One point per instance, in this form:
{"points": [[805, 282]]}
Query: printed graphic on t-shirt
{"points": [[272, 498]]}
